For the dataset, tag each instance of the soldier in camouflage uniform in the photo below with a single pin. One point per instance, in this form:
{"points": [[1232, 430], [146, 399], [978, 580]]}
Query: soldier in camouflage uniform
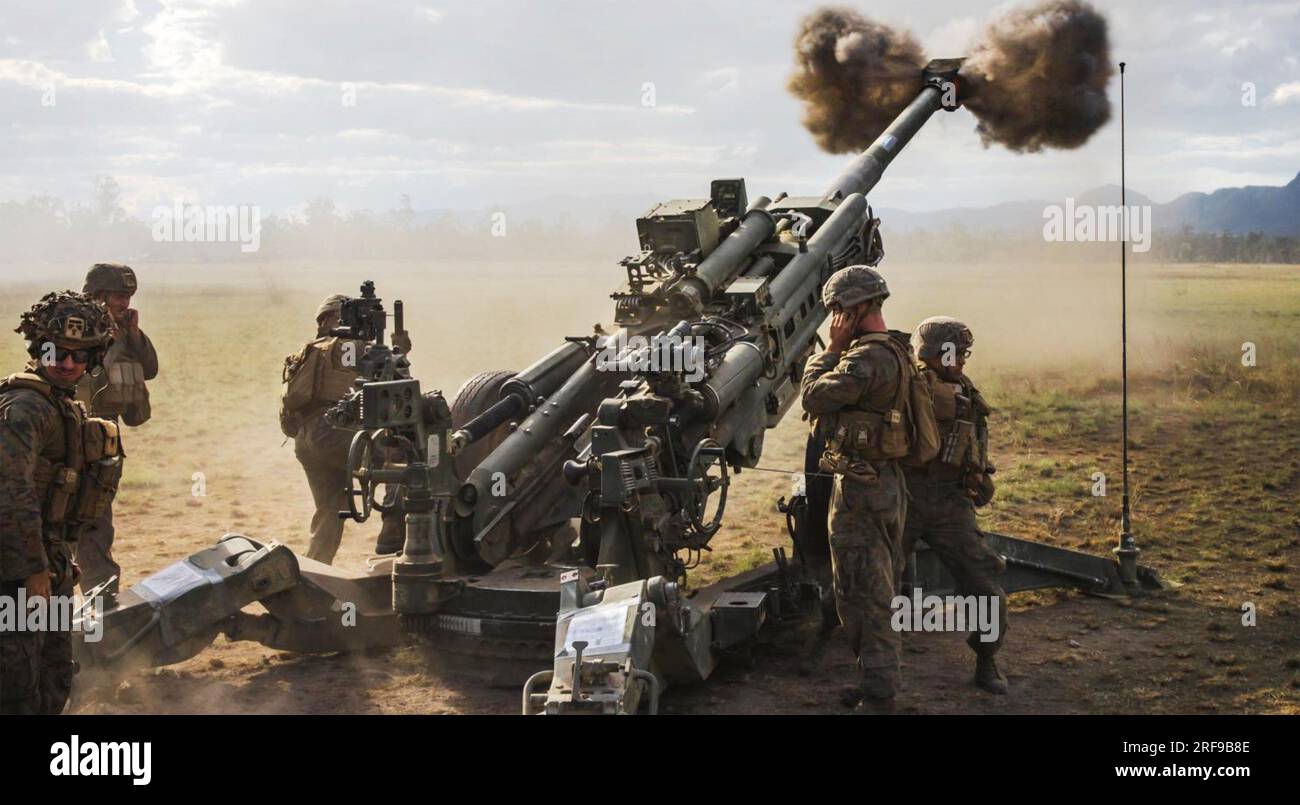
{"points": [[117, 391], [59, 470], [316, 379], [946, 491], [853, 390]]}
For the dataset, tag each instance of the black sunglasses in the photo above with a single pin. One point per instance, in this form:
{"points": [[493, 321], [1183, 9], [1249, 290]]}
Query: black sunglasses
{"points": [[78, 355]]}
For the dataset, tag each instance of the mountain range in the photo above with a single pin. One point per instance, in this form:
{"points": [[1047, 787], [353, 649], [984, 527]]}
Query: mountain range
{"points": [[1239, 210]]}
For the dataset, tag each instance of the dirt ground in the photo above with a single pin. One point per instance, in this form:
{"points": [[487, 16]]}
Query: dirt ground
{"points": [[1216, 469]]}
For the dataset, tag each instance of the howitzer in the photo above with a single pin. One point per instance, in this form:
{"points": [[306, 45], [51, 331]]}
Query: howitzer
{"points": [[634, 435]]}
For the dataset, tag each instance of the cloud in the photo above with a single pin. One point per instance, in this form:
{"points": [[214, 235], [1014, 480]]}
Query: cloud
{"points": [[462, 104], [126, 12], [720, 80], [1286, 93], [97, 49]]}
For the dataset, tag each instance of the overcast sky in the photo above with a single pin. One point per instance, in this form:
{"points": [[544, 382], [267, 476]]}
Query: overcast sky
{"points": [[470, 104]]}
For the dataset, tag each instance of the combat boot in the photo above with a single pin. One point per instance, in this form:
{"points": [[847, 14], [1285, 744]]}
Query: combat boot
{"points": [[872, 706], [389, 543], [392, 537], [987, 675]]}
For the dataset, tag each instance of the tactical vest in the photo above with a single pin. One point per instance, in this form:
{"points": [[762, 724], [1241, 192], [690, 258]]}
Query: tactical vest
{"points": [[80, 488], [962, 416], [871, 434], [318, 377]]}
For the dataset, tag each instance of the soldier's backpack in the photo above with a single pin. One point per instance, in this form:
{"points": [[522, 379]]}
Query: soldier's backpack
{"points": [[318, 376], [928, 439], [907, 432]]}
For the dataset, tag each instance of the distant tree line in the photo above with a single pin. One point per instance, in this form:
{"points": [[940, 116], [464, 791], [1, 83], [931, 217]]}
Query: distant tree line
{"points": [[43, 228], [1188, 246], [958, 244]]}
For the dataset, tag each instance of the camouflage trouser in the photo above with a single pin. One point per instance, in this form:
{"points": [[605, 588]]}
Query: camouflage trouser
{"points": [[867, 557], [323, 453], [36, 668], [95, 554], [943, 517]]}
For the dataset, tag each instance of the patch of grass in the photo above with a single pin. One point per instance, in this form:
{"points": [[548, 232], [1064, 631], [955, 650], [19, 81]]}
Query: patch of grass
{"points": [[141, 477]]}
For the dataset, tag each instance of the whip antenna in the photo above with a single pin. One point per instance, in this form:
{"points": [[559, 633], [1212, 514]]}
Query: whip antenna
{"points": [[1127, 552]]}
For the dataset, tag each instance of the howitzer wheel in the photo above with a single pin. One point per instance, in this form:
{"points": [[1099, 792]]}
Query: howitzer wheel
{"points": [[706, 453], [360, 486], [475, 396]]}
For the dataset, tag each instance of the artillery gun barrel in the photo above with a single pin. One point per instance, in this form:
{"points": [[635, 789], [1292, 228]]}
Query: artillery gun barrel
{"points": [[865, 171], [577, 394], [523, 390]]}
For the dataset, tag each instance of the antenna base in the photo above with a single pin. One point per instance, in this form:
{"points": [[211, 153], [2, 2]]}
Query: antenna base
{"points": [[1126, 556]]}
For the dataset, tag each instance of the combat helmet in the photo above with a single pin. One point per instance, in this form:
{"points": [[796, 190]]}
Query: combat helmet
{"points": [[331, 304], [105, 277], [71, 319], [936, 331], [854, 285]]}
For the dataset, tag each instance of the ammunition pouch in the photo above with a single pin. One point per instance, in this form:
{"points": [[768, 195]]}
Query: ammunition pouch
{"points": [[944, 396], [959, 448], [56, 485], [103, 472], [869, 436]]}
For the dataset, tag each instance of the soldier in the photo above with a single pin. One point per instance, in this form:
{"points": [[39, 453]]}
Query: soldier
{"points": [[945, 492], [117, 391], [860, 391], [59, 470], [316, 379]]}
